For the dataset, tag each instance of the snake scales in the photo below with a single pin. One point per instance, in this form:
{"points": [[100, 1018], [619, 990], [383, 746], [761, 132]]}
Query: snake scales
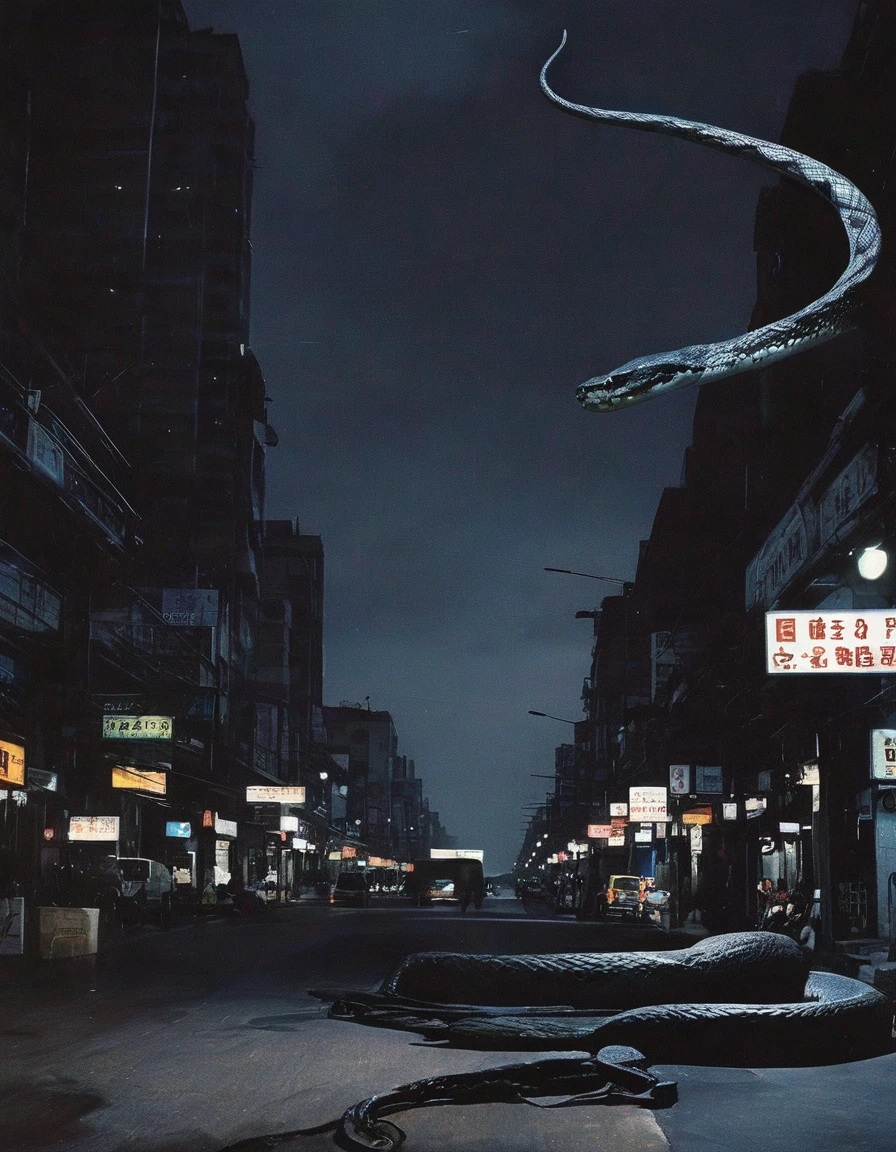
{"points": [[746, 998], [825, 318]]}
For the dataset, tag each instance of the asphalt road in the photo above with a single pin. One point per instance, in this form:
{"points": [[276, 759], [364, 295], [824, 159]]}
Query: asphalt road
{"points": [[199, 1037]]}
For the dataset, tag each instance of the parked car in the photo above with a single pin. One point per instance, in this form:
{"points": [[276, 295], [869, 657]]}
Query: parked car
{"points": [[624, 896], [350, 888], [146, 889]]}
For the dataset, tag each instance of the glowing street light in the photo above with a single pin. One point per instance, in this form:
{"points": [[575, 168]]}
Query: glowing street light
{"points": [[872, 562]]}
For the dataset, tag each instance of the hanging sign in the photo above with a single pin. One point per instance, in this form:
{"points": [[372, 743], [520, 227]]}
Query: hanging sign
{"points": [[729, 811], [12, 763], [679, 779], [696, 839], [137, 727], [599, 831], [619, 809], [883, 754], [275, 795], [139, 780], [831, 642], [647, 804], [93, 828], [616, 842]]}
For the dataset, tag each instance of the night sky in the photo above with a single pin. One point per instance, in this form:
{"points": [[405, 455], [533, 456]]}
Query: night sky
{"points": [[440, 257]]}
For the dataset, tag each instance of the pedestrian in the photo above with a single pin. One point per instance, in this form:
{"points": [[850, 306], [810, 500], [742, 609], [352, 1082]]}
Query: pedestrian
{"points": [[765, 894]]}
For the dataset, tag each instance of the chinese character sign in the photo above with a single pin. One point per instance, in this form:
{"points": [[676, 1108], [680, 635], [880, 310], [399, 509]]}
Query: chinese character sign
{"points": [[883, 754], [831, 641], [287, 794], [599, 831], [647, 804], [137, 728], [93, 828]]}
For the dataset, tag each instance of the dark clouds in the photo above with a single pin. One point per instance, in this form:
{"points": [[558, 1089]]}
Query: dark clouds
{"points": [[440, 257]]}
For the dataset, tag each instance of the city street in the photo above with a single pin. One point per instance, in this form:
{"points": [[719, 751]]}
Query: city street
{"points": [[206, 1035]]}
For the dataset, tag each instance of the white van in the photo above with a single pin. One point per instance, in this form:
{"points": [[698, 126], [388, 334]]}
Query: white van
{"points": [[148, 883]]}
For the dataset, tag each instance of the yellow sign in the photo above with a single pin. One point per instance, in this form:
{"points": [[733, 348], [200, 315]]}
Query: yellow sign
{"points": [[697, 816], [12, 763], [140, 780]]}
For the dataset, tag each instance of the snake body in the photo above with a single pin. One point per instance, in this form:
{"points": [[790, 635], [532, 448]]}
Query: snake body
{"points": [[744, 997], [827, 317]]}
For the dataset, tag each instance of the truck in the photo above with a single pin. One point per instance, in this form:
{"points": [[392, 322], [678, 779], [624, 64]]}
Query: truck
{"points": [[459, 880]]}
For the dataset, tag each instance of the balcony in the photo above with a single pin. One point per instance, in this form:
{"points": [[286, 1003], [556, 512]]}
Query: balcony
{"points": [[27, 602], [56, 458]]}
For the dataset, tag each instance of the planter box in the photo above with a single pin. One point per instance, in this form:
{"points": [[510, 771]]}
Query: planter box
{"points": [[67, 932]]}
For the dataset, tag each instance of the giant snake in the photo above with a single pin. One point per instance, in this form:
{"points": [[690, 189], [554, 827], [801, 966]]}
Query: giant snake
{"points": [[743, 998], [827, 317]]}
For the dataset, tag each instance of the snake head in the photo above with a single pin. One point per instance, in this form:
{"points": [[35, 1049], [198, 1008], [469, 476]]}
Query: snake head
{"points": [[636, 381]]}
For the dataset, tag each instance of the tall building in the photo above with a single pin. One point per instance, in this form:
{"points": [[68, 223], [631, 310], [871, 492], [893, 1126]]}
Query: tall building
{"points": [[127, 258]]}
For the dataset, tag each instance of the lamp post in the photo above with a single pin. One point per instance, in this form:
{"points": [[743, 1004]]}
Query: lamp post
{"points": [[589, 575], [562, 719]]}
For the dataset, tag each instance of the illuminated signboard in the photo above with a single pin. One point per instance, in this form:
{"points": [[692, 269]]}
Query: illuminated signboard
{"points": [[697, 816], [225, 827], [883, 754], [679, 779], [93, 828], [179, 829], [820, 643], [642, 837], [137, 727], [619, 809], [275, 795], [616, 842], [599, 831], [12, 763], [300, 844], [456, 854], [289, 823], [139, 780], [647, 804]]}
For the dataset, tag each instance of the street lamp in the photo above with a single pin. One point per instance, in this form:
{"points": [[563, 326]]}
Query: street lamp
{"points": [[589, 575], [872, 562], [562, 719]]}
